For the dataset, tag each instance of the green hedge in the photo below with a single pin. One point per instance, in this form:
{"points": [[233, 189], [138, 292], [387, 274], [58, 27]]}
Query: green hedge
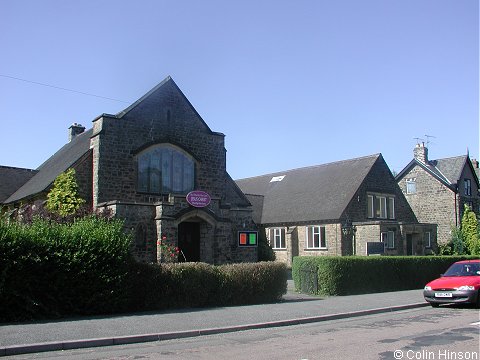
{"points": [[357, 275], [157, 287], [52, 270]]}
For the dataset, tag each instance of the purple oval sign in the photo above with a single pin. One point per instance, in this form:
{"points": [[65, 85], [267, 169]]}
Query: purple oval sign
{"points": [[198, 198]]}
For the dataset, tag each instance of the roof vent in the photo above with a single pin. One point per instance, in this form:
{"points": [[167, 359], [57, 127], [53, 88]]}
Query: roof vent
{"points": [[277, 178]]}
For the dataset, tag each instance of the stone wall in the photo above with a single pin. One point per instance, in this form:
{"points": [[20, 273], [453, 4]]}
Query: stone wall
{"points": [[433, 202], [165, 116]]}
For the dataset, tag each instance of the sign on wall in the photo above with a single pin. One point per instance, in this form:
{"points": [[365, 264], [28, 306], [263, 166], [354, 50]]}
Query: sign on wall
{"points": [[198, 198], [375, 248], [247, 238]]}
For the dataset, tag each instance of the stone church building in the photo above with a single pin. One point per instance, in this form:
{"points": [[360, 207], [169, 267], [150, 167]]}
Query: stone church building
{"points": [[160, 167]]}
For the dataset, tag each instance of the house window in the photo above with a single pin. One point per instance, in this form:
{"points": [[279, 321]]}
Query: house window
{"points": [[391, 208], [371, 206], [411, 186], [380, 207], [277, 238], [468, 187], [388, 238], [164, 169], [428, 239], [316, 237]]}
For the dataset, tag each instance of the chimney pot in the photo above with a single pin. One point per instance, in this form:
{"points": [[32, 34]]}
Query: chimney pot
{"points": [[74, 130]]}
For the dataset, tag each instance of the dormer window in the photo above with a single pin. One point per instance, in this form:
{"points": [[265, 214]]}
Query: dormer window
{"points": [[164, 169]]}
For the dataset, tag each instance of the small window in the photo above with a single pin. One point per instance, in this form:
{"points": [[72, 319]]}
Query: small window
{"points": [[468, 187], [316, 237], [371, 206], [388, 238], [277, 238], [428, 239], [411, 186], [391, 208], [381, 207]]}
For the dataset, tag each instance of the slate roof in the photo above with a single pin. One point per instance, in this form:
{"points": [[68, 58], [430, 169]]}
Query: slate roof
{"points": [[448, 170], [310, 194], [11, 179], [54, 166]]}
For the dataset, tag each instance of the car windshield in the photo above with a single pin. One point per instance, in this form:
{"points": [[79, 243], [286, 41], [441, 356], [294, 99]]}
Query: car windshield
{"points": [[465, 269]]}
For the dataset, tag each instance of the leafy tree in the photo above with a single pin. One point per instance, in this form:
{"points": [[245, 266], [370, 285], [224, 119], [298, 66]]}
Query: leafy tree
{"points": [[63, 198], [265, 251], [470, 231]]}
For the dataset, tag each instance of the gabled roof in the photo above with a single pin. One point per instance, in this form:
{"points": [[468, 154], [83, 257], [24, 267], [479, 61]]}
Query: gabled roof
{"points": [[168, 81], [448, 170], [316, 193], [54, 166], [11, 179]]}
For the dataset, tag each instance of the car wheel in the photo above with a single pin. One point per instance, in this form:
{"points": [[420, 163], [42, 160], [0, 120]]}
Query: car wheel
{"points": [[434, 305]]}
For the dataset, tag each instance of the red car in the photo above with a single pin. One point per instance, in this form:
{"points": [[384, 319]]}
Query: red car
{"points": [[459, 284]]}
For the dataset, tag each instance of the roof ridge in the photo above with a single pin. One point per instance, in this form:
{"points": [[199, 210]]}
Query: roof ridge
{"points": [[16, 168], [312, 166], [451, 157]]}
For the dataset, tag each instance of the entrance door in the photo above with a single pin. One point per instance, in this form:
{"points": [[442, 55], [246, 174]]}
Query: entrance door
{"points": [[409, 244], [189, 241]]}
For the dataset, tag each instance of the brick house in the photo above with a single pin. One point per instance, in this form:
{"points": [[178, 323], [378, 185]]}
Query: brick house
{"points": [[351, 207], [141, 164], [437, 190]]}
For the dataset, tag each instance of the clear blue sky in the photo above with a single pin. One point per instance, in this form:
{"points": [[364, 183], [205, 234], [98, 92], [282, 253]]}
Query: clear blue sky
{"points": [[290, 83]]}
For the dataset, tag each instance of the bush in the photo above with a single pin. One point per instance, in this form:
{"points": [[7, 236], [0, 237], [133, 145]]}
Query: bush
{"points": [[51, 270], [357, 275], [180, 285]]}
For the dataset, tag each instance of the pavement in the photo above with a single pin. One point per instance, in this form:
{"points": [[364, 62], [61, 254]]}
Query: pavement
{"points": [[293, 309]]}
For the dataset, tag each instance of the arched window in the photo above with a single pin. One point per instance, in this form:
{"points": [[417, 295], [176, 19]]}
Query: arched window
{"points": [[164, 169]]}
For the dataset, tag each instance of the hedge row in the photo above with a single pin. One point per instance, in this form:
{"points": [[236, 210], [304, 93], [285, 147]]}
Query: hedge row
{"points": [[331, 276], [50, 270]]}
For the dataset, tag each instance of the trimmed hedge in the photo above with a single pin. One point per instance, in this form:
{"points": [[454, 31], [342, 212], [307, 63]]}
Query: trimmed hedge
{"points": [[50, 270], [330, 276], [181, 285]]}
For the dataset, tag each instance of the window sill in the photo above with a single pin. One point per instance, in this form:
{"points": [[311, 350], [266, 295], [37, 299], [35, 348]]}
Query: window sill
{"points": [[316, 249]]}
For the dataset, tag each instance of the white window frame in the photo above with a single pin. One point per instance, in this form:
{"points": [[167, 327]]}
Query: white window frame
{"points": [[391, 208], [411, 186], [318, 231], [277, 238], [388, 238], [381, 212], [371, 206], [428, 239], [380, 206]]}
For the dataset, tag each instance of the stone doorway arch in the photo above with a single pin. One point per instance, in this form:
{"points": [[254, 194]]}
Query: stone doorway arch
{"points": [[196, 236]]}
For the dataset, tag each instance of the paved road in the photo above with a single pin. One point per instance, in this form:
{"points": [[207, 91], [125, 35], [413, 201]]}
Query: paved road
{"points": [[420, 333], [113, 330]]}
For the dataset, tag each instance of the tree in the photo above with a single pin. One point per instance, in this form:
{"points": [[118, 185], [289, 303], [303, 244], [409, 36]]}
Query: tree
{"points": [[63, 198], [470, 231]]}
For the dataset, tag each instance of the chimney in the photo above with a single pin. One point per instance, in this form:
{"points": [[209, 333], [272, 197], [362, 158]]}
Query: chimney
{"points": [[475, 163], [420, 153], [74, 130]]}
